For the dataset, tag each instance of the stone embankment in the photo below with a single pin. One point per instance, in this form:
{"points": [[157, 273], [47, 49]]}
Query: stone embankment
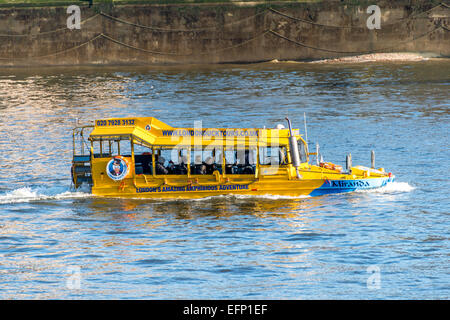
{"points": [[246, 32]]}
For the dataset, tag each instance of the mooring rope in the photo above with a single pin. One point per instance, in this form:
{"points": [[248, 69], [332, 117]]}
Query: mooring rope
{"points": [[154, 28], [109, 38], [309, 21], [182, 54], [102, 35], [353, 27], [354, 52], [47, 32], [136, 48]]}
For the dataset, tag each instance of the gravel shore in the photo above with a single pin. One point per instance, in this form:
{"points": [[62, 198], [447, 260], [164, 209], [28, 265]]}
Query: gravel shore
{"points": [[373, 57], [376, 57]]}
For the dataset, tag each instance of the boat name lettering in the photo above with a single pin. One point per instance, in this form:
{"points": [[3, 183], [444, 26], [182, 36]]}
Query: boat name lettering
{"points": [[192, 188], [347, 184], [115, 122]]}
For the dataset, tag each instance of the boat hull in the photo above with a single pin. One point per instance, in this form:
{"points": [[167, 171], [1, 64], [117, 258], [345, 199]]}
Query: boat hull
{"points": [[292, 188]]}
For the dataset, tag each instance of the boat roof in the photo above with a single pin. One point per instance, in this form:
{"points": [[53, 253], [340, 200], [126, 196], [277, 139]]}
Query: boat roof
{"points": [[151, 131]]}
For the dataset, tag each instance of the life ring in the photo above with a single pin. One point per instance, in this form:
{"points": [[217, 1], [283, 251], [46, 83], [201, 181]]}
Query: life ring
{"points": [[118, 168]]}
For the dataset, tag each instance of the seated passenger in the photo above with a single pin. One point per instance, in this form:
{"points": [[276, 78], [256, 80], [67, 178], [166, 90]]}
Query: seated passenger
{"points": [[183, 165], [242, 163], [171, 167], [210, 166], [159, 166], [248, 169], [197, 167]]}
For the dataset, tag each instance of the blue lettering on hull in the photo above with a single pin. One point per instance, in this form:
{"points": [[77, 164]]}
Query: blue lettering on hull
{"points": [[339, 186]]}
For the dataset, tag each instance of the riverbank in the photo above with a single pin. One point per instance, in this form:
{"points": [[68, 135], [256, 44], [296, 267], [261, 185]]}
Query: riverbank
{"points": [[141, 33], [378, 57]]}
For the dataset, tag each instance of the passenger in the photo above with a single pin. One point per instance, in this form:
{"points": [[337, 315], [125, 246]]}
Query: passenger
{"points": [[183, 165], [209, 166], [171, 167], [196, 168], [282, 156], [248, 169], [159, 166]]}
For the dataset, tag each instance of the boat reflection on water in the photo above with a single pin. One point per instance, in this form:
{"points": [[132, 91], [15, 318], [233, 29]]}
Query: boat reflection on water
{"points": [[218, 206]]}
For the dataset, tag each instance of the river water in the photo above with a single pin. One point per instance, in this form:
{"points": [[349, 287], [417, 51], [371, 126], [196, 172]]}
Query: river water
{"points": [[392, 243]]}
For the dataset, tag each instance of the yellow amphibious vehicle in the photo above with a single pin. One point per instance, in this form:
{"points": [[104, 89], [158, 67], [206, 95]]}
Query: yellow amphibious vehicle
{"points": [[146, 158]]}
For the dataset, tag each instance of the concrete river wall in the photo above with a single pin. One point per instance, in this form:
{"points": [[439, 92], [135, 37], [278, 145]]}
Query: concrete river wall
{"points": [[219, 33]]}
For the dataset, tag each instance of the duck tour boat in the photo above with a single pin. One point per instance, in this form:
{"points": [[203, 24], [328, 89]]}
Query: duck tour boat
{"points": [[146, 158]]}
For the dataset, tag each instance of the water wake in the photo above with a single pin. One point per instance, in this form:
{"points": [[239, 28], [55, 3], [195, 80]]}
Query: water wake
{"points": [[392, 187], [28, 194]]}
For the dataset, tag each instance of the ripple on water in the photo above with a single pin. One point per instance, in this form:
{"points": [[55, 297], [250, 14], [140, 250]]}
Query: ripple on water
{"points": [[229, 247]]}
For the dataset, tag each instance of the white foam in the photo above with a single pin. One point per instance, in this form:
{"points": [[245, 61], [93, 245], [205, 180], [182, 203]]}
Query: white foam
{"points": [[27, 194], [391, 187]]}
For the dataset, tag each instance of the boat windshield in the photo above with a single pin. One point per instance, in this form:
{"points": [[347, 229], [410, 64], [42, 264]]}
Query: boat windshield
{"points": [[302, 151]]}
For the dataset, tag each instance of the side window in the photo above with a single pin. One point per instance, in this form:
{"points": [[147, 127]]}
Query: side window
{"points": [[302, 151], [241, 161], [206, 161], [97, 149], [111, 148], [143, 159], [264, 156], [171, 161], [124, 147], [103, 149], [273, 156]]}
